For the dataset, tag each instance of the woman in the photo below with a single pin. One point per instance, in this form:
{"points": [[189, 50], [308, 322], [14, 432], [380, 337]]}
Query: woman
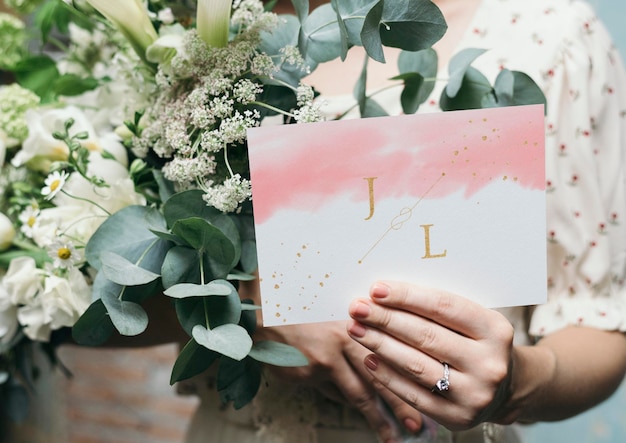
{"points": [[493, 373]]}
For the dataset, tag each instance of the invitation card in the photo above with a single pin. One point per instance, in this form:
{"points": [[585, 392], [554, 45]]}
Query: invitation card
{"points": [[453, 200]]}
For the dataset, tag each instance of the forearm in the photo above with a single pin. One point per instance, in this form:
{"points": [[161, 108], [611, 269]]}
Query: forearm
{"points": [[564, 374]]}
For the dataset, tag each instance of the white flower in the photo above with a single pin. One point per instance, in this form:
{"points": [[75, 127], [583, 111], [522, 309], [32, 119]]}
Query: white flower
{"points": [[28, 218], [7, 232], [63, 253], [22, 280], [166, 16], [132, 20], [60, 303], [40, 148], [213, 21], [53, 184], [8, 315], [230, 195]]}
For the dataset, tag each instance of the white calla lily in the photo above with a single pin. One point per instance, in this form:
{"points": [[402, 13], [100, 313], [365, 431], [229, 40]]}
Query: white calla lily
{"points": [[131, 18], [213, 21]]}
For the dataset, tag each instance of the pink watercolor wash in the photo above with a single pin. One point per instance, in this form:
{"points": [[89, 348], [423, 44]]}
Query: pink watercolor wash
{"points": [[305, 166]]}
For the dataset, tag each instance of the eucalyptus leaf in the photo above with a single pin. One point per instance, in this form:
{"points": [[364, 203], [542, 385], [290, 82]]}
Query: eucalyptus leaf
{"points": [[458, 66], [277, 354], [223, 310], [360, 87], [352, 14], [411, 25], [187, 204], [410, 97], [238, 381], [343, 31], [526, 91], [181, 265], [320, 36], [121, 271], [190, 312], [302, 9], [16, 401], [474, 88], [184, 290], [192, 360], [370, 33], [94, 327], [240, 276], [424, 63], [129, 318], [373, 109], [230, 340], [128, 234]]}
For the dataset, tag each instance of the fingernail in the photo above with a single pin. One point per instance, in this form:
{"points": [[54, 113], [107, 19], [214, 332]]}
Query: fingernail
{"points": [[371, 361], [380, 290], [357, 329], [359, 310], [411, 425]]}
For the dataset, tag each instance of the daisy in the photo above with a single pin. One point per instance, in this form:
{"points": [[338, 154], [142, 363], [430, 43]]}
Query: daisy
{"points": [[28, 217], [54, 182], [63, 253]]}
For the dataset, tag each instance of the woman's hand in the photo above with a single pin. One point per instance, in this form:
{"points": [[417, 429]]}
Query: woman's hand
{"points": [[336, 370], [412, 330]]}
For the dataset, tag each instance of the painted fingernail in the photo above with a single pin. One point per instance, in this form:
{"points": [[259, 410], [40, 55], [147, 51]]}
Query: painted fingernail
{"points": [[412, 426], [359, 310], [371, 361], [357, 329], [380, 290]]}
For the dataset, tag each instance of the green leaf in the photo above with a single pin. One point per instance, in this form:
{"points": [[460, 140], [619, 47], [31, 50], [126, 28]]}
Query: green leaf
{"points": [[424, 63], [238, 381], [16, 401], [360, 88], [230, 340], [411, 25], [410, 97], [302, 9], [240, 276], [278, 354], [121, 271], [37, 74], [373, 109], [190, 312], [128, 234], [181, 265], [285, 34], [187, 204], [352, 14], [474, 88], [223, 310], [166, 187], [94, 327], [457, 68], [370, 34], [184, 290], [129, 318], [221, 253], [72, 84], [343, 30], [192, 360], [320, 36], [526, 91]]}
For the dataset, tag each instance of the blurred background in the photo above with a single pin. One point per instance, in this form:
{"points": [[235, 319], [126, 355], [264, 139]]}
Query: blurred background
{"points": [[123, 395]]}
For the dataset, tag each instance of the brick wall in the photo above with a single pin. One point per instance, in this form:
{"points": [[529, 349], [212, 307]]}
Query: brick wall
{"points": [[115, 396]]}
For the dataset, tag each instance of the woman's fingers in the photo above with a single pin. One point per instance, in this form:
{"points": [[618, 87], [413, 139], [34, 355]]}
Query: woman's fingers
{"points": [[447, 309]]}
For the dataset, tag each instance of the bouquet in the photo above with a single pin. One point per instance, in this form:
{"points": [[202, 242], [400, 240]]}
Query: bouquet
{"points": [[124, 161]]}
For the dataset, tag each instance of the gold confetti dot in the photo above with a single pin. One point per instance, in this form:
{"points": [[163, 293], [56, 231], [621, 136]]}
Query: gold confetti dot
{"points": [[322, 284], [484, 138], [505, 178], [456, 152], [327, 276], [277, 314], [276, 286]]}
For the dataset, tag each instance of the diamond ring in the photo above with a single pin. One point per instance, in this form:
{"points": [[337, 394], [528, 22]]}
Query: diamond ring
{"points": [[443, 384]]}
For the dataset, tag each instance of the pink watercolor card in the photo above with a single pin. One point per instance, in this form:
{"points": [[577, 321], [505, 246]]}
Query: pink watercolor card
{"points": [[453, 200]]}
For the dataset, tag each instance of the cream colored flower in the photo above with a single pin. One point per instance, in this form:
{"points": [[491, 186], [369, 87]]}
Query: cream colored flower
{"points": [[132, 20], [213, 21]]}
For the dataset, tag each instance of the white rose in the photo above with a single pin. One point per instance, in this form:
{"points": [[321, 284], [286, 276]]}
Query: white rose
{"points": [[73, 220], [34, 323], [64, 300], [7, 232], [22, 280], [61, 302]]}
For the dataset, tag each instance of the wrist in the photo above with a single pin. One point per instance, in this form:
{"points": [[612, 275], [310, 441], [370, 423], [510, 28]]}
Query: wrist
{"points": [[533, 370]]}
